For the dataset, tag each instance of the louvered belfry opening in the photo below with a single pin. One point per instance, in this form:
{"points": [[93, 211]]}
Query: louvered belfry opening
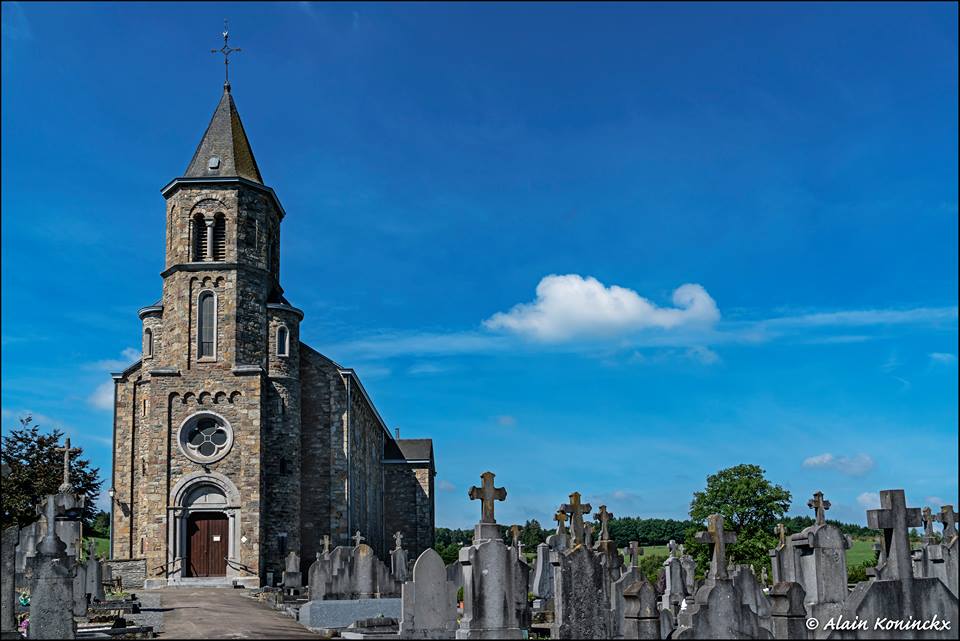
{"points": [[219, 237], [199, 238]]}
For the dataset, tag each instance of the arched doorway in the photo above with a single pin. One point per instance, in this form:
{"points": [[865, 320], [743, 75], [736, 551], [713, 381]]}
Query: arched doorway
{"points": [[208, 536], [204, 528]]}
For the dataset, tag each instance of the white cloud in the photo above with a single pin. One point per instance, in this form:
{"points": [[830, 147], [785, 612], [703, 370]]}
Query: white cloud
{"points": [[865, 317], [128, 357], [943, 357], [419, 369], [850, 465], [869, 500], [703, 354], [506, 420], [935, 501], [102, 397], [444, 485], [571, 306]]}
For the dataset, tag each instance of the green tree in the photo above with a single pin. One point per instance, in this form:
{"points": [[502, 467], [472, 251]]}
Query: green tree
{"points": [[532, 535], [751, 507], [100, 525], [36, 469]]}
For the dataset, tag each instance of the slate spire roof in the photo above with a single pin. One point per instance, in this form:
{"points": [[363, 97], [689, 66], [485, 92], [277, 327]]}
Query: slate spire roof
{"points": [[224, 150]]}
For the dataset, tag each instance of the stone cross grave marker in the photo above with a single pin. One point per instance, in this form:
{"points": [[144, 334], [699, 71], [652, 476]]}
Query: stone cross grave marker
{"points": [[820, 507], [357, 539], [326, 545], [561, 518], [51, 598], [515, 534], [928, 520], [576, 510], [895, 519], [719, 539], [636, 552], [604, 517], [487, 494], [67, 486], [398, 540], [948, 519], [781, 536], [588, 535]]}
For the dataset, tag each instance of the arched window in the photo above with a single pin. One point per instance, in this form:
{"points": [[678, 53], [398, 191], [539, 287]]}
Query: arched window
{"points": [[199, 238], [206, 325], [147, 343], [283, 341], [219, 237]]}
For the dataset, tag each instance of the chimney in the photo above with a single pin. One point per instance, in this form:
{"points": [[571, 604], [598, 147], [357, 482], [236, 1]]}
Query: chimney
{"points": [[397, 431]]}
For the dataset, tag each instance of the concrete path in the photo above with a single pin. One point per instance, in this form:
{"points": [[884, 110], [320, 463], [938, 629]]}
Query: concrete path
{"points": [[223, 613]]}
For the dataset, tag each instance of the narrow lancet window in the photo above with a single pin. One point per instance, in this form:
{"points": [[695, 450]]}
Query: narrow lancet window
{"points": [[147, 343], [206, 325], [283, 341]]}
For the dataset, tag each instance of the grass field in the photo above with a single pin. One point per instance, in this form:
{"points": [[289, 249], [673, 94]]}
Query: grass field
{"points": [[103, 546]]}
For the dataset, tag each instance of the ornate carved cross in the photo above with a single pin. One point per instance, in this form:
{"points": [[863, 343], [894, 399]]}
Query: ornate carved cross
{"points": [[604, 517], [576, 510], [398, 538], [820, 507], [719, 539], [66, 486], [560, 517], [948, 519], [226, 50], [357, 539], [487, 494]]}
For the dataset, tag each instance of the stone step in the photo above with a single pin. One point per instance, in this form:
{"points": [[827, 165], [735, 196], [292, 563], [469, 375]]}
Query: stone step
{"points": [[201, 582]]}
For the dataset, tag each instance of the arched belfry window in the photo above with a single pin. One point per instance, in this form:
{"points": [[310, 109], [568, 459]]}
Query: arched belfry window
{"points": [[206, 325], [283, 341], [199, 238], [219, 237], [147, 343]]}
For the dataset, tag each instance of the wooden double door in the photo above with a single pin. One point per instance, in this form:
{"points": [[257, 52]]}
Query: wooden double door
{"points": [[207, 544]]}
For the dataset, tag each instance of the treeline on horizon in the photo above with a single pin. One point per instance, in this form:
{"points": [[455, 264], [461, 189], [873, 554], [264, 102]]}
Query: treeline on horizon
{"points": [[624, 530]]}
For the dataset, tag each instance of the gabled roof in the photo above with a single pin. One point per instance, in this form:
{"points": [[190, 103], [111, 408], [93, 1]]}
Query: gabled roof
{"points": [[416, 449], [224, 150]]}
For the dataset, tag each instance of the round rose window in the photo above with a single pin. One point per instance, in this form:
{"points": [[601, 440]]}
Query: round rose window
{"points": [[205, 438]]}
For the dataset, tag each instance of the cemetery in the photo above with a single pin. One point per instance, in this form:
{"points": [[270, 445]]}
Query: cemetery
{"points": [[580, 586]]}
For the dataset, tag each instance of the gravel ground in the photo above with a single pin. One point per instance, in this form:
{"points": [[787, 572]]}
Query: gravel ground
{"points": [[151, 611]]}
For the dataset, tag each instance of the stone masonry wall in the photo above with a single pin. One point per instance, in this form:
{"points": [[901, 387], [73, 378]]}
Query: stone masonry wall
{"points": [[409, 505], [132, 572], [366, 482]]}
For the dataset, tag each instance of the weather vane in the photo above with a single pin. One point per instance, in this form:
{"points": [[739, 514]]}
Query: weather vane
{"points": [[226, 50]]}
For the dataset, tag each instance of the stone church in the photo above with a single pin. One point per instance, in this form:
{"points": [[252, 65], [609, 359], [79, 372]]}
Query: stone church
{"points": [[234, 442]]}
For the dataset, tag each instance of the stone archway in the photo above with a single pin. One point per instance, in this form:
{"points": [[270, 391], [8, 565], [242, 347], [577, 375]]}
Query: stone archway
{"points": [[204, 507]]}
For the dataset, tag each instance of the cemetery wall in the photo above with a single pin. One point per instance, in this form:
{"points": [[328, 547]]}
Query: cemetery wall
{"points": [[132, 572]]}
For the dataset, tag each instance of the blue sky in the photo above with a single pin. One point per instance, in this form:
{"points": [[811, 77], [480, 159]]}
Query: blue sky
{"points": [[605, 248]]}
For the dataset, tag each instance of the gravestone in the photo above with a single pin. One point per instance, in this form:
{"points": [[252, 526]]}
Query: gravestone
{"points": [[689, 565], [455, 574], [788, 612], [783, 558], [429, 601], [897, 594], [28, 537], [51, 594], [292, 578], [521, 580], [719, 610], [630, 576], [821, 563], [752, 594], [675, 588], [8, 588], [543, 570], [581, 602], [641, 618], [948, 546], [398, 559], [81, 599], [93, 570], [576, 510], [489, 566], [319, 576]]}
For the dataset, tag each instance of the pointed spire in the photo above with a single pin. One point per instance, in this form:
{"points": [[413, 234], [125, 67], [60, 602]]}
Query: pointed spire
{"points": [[224, 150]]}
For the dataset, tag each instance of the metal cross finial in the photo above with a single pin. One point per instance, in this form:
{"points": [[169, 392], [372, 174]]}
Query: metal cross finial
{"points": [[604, 517], [560, 517], [357, 538], [67, 450], [398, 537], [819, 506], [487, 494], [226, 50], [576, 510]]}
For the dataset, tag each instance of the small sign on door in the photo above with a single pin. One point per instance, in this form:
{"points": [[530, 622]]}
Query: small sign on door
{"points": [[216, 537]]}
